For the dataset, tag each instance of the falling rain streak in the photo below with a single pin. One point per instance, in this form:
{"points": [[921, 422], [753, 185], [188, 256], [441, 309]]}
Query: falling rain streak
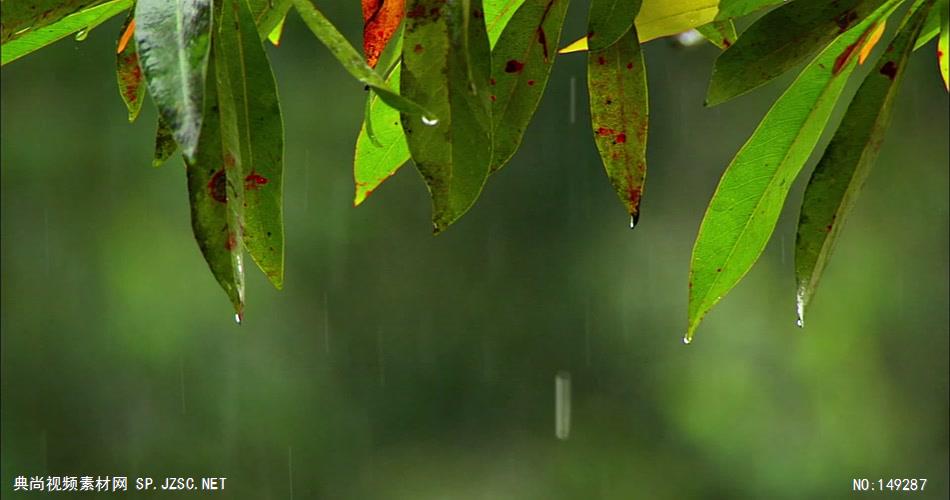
{"points": [[562, 405]]}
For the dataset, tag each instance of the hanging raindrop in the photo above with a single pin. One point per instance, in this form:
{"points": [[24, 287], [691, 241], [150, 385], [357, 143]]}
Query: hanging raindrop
{"points": [[238, 318], [82, 34], [687, 340], [562, 405], [430, 121]]}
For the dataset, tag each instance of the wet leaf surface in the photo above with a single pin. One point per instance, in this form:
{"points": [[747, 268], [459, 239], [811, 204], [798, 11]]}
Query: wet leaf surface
{"points": [[128, 72], [837, 180], [173, 40], [617, 84], [521, 64], [745, 207], [446, 68]]}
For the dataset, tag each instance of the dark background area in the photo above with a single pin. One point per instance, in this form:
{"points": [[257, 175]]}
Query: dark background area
{"points": [[396, 364]]}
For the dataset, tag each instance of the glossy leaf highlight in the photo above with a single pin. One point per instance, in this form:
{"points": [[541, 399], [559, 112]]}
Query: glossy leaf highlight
{"points": [[746, 205], [837, 180], [446, 68], [173, 40]]}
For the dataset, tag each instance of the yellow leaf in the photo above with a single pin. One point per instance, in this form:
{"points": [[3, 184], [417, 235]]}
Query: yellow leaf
{"points": [[872, 41]]}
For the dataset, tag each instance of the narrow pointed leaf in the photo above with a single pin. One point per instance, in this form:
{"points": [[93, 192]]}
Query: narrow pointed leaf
{"points": [[608, 20], [173, 39], [381, 19], [446, 68], [730, 9], [269, 16], [19, 45], [260, 135], [779, 41], [931, 26], [376, 162], [722, 34], [215, 189], [165, 145], [277, 33], [351, 59], [128, 73], [746, 205], [617, 84], [837, 180], [521, 64]]}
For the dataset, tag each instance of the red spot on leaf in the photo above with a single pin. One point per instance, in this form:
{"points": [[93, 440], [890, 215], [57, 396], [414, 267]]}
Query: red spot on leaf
{"points": [[493, 98], [629, 65], [604, 131], [491, 81], [889, 69], [842, 60], [530, 82], [231, 243], [417, 49], [513, 66], [845, 20], [601, 60], [218, 186], [254, 180], [726, 43], [621, 138]]}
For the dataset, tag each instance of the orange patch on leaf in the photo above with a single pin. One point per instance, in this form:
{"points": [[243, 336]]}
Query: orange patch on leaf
{"points": [[380, 20], [126, 36]]}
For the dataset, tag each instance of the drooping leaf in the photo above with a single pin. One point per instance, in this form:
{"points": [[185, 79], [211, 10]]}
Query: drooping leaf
{"points": [[277, 33], [260, 135], [521, 64], [779, 41], [128, 73], [381, 19], [215, 189], [722, 34], [608, 20], [617, 84], [931, 26], [837, 180], [173, 39], [21, 17], [351, 59], [376, 162], [269, 16], [746, 205], [165, 145], [446, 68], [943, 45], [19, 44]]}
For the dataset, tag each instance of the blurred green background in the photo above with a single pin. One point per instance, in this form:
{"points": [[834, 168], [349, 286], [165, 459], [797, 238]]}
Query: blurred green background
{"points": [[399, 365]]}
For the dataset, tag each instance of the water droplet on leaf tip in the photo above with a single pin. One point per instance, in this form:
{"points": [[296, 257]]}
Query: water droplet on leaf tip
{"points": [[430, 121], [799, 323], [687, 340], [81, 34], [238, 318]]}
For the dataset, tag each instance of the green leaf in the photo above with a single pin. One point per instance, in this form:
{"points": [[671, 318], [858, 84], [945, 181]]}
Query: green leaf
{"points": [[722, 34], [165, 145], [943, 46], [128, 73], [521, 64], [275, 35], [21, 17], [376, 162], [269, 16], [18, 44], [446, 68], [779, 41], [931, 26], [173, 38], [497, 15], [839, 176], [608, 20], [240, 51], [729, 9], [215, 188], [746, 205], [617, 84], [352, 61]]}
